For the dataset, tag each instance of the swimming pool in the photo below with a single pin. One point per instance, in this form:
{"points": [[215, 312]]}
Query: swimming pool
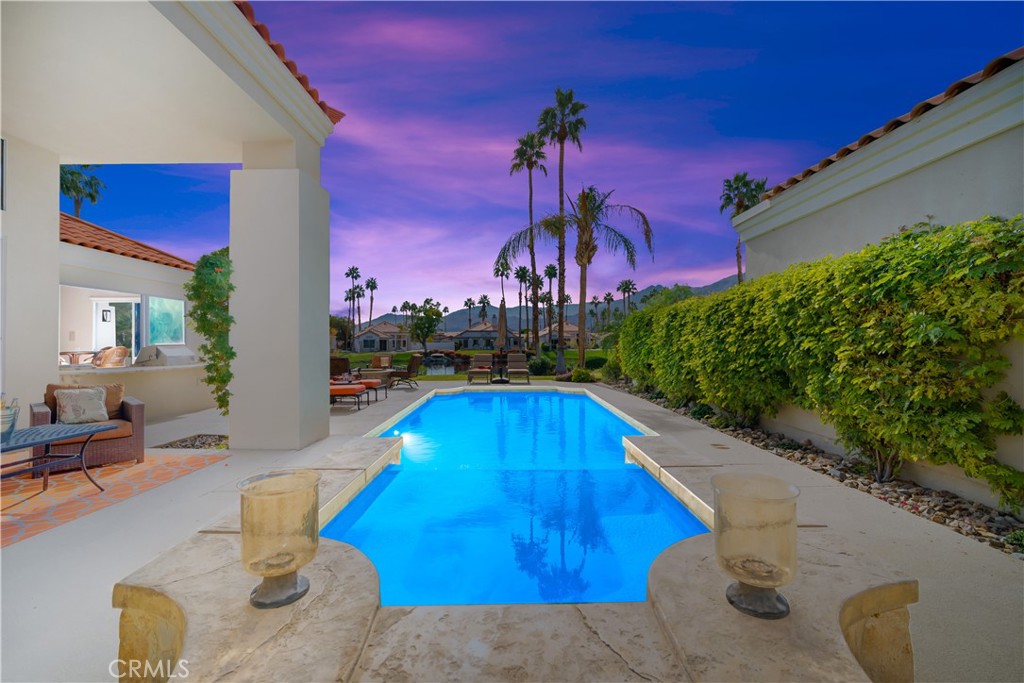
{"points": [[512, 498]]}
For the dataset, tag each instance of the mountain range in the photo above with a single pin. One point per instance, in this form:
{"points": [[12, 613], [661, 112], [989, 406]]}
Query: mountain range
{"points": [[456, 320]]}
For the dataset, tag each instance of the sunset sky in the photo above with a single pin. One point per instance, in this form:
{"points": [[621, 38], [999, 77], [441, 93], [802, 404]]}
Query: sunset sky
{"points": [[680, 95]]}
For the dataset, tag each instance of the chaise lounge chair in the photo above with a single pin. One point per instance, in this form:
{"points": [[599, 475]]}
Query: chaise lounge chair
{"points": [[517, 367], [407, 375], [481, 368], [354, 391]]}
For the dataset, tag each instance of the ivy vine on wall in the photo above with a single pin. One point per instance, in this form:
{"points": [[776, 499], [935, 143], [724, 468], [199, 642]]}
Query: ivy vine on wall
{"points": [[898, 346], [209, 291]]}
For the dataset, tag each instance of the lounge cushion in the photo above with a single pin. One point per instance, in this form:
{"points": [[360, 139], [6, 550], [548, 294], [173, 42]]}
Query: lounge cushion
{"points": [[347, 389], [80, 406], [114, 396], [124, 429]]}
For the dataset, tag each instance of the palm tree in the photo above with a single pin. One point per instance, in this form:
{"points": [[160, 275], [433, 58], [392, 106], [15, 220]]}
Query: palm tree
{"points": [[594, 301], [589, 216], [77, 185], [556, 124], [549, 306], [529, 155], [502, 270], [353, 274], [469, 304], [609, 299], [522, 276], [358, 293], [593, 319], [484, 302], [741, 193], [371, 287], [405, 308], [444, 312]]}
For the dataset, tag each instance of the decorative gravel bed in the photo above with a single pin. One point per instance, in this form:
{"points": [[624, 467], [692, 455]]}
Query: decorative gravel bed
{"points": [[975, 520], [201, 441]]}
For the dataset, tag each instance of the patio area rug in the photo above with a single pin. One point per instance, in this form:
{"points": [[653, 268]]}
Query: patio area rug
{"points": [[27, 510]]}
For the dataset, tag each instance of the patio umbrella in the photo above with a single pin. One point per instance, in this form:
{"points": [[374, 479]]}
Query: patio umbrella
{"points": [[502, 326]]}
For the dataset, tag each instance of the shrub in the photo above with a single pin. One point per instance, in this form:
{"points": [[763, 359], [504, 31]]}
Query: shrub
{"points": [[540, 366], [595, 362], [208, 291], [581, 375], [612, 370], [1016, 539], [897, 346]]}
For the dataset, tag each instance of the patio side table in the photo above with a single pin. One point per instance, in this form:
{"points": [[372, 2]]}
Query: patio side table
{"points": [[46, 435]]}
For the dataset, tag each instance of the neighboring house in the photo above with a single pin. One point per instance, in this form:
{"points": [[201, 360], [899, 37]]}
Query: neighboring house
{"points": [[482, 335], [382, 336], [116, 291], [952, 158], [182, 82], [569, 332]]}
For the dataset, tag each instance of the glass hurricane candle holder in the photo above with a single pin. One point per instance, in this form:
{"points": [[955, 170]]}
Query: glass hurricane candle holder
{"points": [[280, 533], [755, 540]]}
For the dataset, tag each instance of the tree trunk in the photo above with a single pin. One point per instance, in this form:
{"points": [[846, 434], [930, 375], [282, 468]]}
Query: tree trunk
{"points": [[533, 270], [519, 336], [739, 263], [581, 337], [370, 320], [78, 207], [560, 354]]}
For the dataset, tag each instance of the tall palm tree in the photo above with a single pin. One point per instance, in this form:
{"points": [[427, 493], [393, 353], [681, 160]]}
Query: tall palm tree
{"points": [[358, 294], [593, 319], [77, 185], [529, 155], [444, 312], [484, 302], [556, 124], [371, 287], [589, 217], [502, 270], [609, 299], [741, 193], [522, 276], [353, 274], [469, 304], [594, 301]]}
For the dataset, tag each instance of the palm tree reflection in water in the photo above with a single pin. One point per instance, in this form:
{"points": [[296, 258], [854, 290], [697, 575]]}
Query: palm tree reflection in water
{"points": [[576, 522]]}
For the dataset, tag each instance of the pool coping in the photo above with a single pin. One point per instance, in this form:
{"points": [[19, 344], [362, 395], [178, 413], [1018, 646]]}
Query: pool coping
{"points": [[834, 611]]}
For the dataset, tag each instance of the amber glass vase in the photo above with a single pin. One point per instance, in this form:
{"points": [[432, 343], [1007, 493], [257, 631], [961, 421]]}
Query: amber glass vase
{"points": [[755, 540], [280, 533]]}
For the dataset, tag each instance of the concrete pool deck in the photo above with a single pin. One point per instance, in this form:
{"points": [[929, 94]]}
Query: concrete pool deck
{"points": [[968, 625]]}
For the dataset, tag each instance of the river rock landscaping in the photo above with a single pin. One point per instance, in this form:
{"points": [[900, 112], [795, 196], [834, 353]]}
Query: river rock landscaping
{"points": [[978, 521]]}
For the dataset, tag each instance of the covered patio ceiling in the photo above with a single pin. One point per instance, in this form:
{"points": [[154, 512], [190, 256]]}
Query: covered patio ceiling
{"points": [[120, 82]]}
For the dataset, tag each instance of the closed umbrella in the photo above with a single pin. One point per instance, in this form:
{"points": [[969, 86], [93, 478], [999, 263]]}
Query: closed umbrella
{"points": [[502, 326]]}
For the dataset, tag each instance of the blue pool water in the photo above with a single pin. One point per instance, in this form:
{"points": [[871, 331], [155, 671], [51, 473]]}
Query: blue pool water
{"points": [[512, 497]]}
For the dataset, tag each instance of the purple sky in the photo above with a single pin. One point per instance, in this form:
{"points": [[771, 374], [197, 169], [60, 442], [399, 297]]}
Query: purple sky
{"points": [[680, 95]]}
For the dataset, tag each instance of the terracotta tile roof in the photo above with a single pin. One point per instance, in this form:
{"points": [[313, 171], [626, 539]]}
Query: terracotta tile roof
{"points": [[84, 234], [250, 14], [994, 67]]}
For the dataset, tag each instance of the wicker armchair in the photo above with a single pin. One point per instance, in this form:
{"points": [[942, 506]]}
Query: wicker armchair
{"points": [[127, 442]]}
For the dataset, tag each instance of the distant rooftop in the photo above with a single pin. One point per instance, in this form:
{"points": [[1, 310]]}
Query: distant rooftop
{"points": [[993, 67], [85, 234]]}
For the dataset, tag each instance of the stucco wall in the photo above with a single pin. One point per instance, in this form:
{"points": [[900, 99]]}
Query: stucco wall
{"points": [[166, 391], [958, 162], [984, 179], [30, 294]]}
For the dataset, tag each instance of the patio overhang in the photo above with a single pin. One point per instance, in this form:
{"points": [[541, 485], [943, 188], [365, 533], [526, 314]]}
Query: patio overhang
{"points": [[168, 83]]}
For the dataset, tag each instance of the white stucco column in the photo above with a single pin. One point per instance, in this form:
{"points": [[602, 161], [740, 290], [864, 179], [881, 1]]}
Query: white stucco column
{"points": [[280, 252], [31, 264]]}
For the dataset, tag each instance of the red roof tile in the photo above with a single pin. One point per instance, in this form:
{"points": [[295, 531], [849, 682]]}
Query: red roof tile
{"points": [[84, 234], [994, 67], [250, 14]]}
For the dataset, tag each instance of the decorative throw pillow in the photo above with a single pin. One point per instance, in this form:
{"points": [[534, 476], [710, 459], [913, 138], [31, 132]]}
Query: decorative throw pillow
{"points": [[77, 406]]}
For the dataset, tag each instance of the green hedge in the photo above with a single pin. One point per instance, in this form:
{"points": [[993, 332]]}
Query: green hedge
{"points": [[897, 346]]}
